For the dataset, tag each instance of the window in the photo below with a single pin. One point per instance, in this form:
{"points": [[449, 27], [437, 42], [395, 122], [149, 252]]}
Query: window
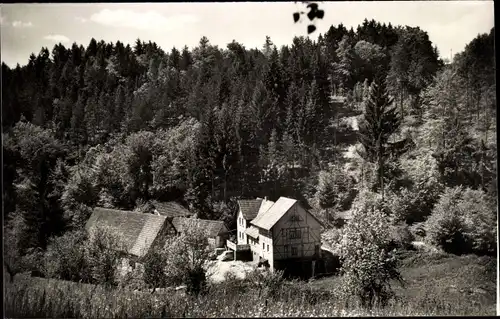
{"points": [[263, 246], [286, 250], [295, 251], [295, 233], [267, 247]]}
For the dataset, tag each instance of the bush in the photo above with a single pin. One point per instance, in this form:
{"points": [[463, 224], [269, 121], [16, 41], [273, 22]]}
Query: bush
{"points": [[154, 274], [102, 254], [335, 189], [411, 205], [480, 220], [463, 221], [368, 200], [414, 203], [65, 257], [367, 264], [186, 255], [12, 254], [400, 236], [445, 227]]}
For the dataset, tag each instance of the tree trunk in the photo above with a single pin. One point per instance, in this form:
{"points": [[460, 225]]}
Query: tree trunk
{"points": [[362, 174], [213, 186], [225, 187]]}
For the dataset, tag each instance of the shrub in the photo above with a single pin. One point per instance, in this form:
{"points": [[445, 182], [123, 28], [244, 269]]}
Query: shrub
{"points": [[368, 200], [411, 205], [186, 255], [480, 220], [335, 189], [154, 274], [65, 258], [445, 227], [12, 254], [463, 221], [414, 203], [400, 236], [367, 264], [102, 254]]}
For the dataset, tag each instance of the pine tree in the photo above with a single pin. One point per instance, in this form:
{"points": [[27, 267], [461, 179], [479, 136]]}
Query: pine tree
{"points": [[380, 121], [186, 59]]}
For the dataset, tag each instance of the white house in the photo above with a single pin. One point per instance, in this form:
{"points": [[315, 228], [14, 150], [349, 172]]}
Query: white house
{"points": [[280, 233]]}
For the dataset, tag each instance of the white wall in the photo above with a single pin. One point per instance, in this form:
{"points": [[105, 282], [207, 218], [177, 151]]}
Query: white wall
{"points": [[240, 229], [265, 246]]}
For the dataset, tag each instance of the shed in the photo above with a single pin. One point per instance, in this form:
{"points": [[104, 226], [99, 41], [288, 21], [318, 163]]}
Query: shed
{"points": [[216, 230]]}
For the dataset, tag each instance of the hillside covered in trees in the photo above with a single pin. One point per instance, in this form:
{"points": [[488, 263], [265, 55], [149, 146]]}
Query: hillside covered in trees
{"points": [[115, 125]]}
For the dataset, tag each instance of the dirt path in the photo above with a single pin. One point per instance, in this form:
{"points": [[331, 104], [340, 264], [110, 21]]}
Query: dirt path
{"points": [[218, 269]]}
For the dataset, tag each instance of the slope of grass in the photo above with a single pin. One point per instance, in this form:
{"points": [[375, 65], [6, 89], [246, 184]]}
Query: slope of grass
{"points": [[436, 284], [440, 283]]}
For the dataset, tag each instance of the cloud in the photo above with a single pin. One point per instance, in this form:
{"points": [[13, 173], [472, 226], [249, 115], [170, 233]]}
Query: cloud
{"points": [[80, 19], [141, 20], [20, 24], [56, 38]]}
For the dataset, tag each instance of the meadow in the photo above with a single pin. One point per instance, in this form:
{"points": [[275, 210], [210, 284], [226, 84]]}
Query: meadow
{"points": [[436, 284]]}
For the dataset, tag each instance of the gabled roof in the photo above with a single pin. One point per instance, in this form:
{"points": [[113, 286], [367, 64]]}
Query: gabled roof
{"points": [[267, 219], [266, 204], [137, 230], [249, 207], [171, 209], [252, 231], [212, 227]]}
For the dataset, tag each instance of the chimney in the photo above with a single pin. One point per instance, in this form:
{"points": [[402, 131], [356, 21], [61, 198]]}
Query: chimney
{"points": [[265, 198]]}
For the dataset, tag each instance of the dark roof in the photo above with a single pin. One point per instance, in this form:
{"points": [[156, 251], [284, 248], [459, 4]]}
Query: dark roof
{"points": [[171, 209], [212, 227], [249, 207], [137, 230]]}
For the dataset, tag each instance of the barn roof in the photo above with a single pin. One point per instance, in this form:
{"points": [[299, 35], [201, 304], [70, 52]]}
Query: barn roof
{"points": [[249, 207], [213, 227], [171, 209], [267, 219], [137, 230], [252, 231]]}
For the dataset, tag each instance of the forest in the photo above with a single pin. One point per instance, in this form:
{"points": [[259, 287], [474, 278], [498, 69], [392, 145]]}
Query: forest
{"points": [[117, 125]]}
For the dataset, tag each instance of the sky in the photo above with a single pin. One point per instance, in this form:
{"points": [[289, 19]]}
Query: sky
{"points": [[26, 28]]}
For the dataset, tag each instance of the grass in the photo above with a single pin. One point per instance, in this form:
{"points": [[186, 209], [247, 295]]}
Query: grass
{"points": [[441, 284], [436, 284]]}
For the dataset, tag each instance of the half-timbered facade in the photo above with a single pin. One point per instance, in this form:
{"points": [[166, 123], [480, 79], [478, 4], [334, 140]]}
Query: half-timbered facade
{"points": [[282, 233]]}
